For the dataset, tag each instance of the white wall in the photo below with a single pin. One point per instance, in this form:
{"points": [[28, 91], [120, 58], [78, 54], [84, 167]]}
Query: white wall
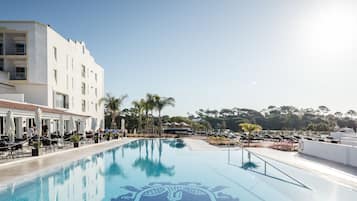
{"points": [[13, 97], [69, 76], [339, 153]]}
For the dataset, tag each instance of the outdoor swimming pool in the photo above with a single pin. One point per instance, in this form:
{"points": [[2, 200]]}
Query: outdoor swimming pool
{"points": [[166, 169]]}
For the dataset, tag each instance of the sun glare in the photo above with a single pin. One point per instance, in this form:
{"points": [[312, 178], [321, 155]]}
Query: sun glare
{"points": [[331, 31]]}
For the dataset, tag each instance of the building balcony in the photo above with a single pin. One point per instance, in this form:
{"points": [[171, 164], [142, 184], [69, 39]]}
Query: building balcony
{"points": [[18, 76], [18, 50]]}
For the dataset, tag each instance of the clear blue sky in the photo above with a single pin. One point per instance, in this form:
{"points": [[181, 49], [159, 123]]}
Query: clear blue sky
{"points": [[214, 53]]}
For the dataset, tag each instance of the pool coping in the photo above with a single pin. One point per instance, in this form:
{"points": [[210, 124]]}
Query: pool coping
{"points": [[13, 167]]}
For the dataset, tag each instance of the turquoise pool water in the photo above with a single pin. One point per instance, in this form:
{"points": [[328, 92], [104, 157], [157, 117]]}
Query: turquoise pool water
{"points": [[166, 169]]}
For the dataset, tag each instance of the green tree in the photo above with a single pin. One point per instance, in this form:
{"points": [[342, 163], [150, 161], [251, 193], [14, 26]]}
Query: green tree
{"points": [[160, 103], [139, 107], [112, 105], [249, 129]]}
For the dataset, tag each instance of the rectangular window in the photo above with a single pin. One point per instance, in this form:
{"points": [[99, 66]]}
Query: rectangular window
{"points": [[83, 105], [72, 64], [55, 75], [20, 74], [67, 62], [96, 77], [72, 83], [96, 92], [62, 100], [83, 71], [83, 88], [67, 82], [72, 101], [55, 53], [20, 49], [96, 107]]}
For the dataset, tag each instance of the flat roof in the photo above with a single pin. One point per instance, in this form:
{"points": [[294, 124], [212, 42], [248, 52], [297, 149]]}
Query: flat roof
{"points": [[32, 107]]}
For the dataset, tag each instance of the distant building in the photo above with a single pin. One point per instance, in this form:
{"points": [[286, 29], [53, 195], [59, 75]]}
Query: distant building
{"points": [[38, 66]]}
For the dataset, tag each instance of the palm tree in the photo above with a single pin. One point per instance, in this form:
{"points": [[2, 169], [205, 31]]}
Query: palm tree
{"points": [[139, 108], [112, 105], [160, 104], [148, 105], [249, 129]]}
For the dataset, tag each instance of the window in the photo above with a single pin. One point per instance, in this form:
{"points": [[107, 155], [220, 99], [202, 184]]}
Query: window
{"points": [[83, 105], [72, 83], [83, 49], [83, 88], [96, 77], [72, 64], [96, 107], [62, 100], [55, 53], [20, 73], [96, 92], [67, 62], [20, 49], [83, 71], [72, 101], [67, 82], [55, 75]]}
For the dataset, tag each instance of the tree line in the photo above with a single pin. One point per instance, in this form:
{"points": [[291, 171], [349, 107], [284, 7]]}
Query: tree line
{"points": [[145, 116], [278, 118]]}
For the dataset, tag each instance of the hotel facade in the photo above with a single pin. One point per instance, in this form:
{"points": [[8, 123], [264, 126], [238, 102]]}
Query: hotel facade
{"points": [[41, 69]]}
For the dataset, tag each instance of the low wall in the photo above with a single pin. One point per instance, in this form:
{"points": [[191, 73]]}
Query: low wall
{"points": [[339, 153]]}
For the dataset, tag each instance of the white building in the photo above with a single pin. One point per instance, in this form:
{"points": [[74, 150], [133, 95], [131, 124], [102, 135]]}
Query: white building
{"points": [[39, 66]]}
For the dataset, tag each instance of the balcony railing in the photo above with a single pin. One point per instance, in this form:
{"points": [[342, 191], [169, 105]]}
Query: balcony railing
{"points": [[16, 51], [18, 76]]}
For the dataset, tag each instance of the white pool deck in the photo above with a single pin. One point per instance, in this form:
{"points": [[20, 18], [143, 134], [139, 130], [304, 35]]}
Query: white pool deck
{"points": [[25, 169], [338, 173]]}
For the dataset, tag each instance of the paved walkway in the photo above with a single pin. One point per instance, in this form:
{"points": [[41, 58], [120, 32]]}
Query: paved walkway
{"points": [[24, 169], [199, 145], [339, 173]]}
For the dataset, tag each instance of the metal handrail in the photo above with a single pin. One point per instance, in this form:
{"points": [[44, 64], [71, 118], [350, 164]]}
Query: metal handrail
{"points": [[271, 165]]}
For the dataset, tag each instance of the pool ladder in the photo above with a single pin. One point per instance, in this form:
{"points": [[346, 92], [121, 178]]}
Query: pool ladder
{"points": [[267, 163]]}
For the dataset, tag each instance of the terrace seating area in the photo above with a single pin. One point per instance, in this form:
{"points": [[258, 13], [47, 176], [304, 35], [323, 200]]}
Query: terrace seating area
{"points": [[22, 148]]}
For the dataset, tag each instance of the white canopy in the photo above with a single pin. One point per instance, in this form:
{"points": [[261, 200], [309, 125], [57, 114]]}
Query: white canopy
{"points": [[38, 121], [82, 127], [10, 126], [94, 124], [61, 126], [71, 125]]}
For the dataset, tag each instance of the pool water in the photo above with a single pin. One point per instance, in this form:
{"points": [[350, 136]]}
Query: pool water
{"points": [[166, 169]]}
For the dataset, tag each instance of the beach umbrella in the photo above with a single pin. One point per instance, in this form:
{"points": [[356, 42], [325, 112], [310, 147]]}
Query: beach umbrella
{"points": [[122, 125], [38, 121], [101, 124], [82, 127], [61, 126], [71, 125], [10, 126], [94, 124]]}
